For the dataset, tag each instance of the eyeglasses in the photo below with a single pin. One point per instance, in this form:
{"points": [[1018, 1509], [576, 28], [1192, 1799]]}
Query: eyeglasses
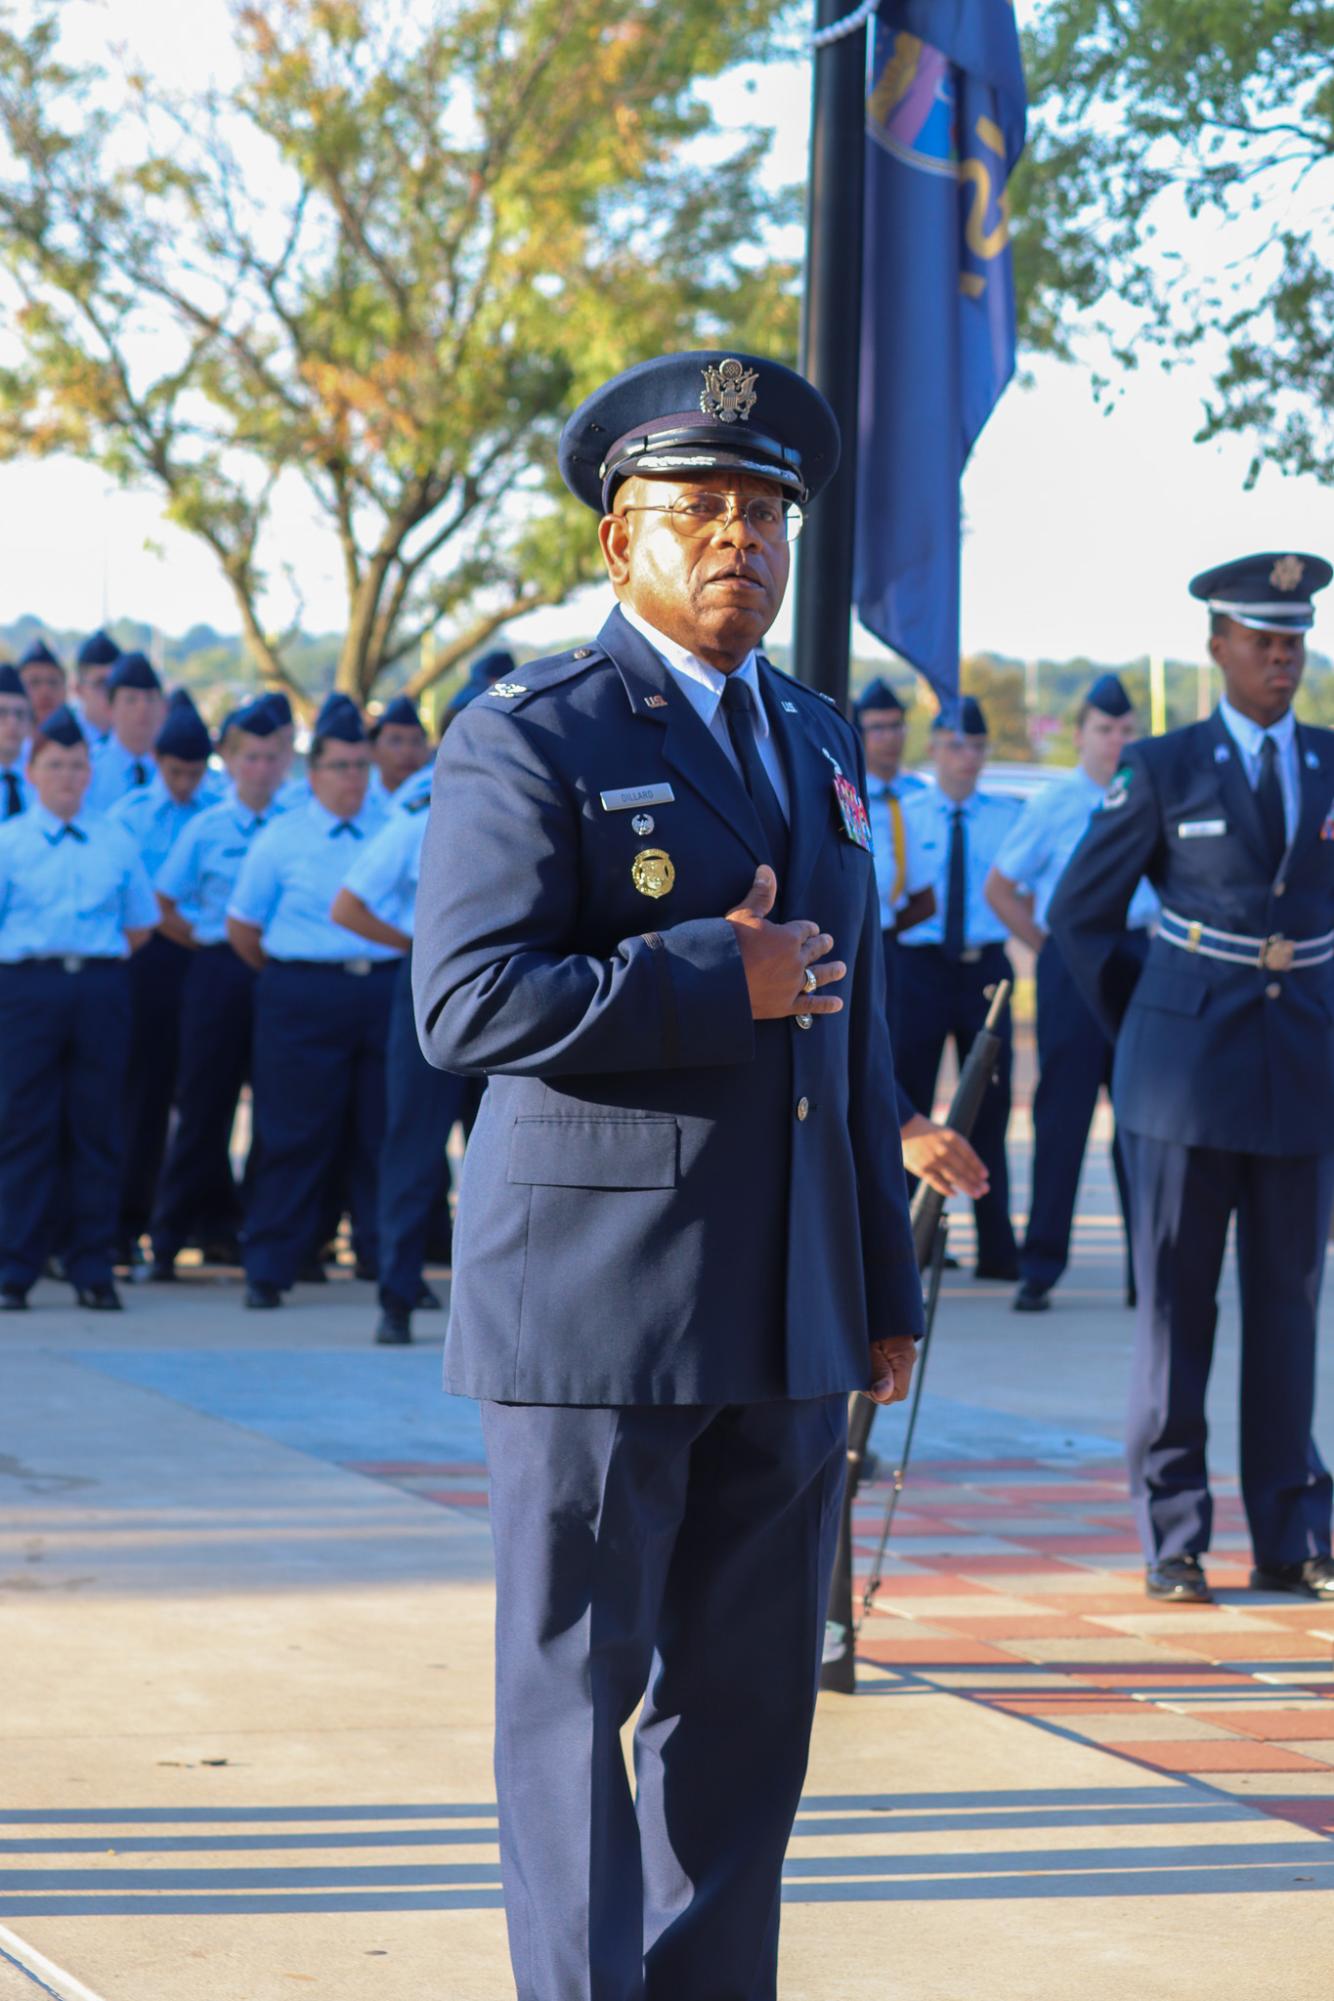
{"points": [[697, 514], [342, 765]]}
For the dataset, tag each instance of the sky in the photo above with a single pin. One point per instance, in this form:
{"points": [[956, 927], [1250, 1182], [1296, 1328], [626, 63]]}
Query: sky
{"points": [[1084, 526]]}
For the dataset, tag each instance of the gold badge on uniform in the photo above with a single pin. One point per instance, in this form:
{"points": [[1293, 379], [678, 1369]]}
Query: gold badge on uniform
{"points": [[652, 872]]}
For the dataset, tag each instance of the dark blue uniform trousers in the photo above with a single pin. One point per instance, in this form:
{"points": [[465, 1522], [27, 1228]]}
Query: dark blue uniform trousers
{"points": [[319, 1046], [1181, 1200], [157, 984], [422, 1105], [684, 1550], [1074, 1063], [940, 999], [64, 1042], [197, 1193]]}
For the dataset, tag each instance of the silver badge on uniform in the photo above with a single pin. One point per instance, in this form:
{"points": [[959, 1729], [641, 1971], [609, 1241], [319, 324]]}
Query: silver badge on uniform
{"points": [[642, 823]]}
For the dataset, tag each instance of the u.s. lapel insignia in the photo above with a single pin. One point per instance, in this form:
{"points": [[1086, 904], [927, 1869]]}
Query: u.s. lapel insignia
{"points": [[655, 701], [1312, 761], [509, 690], [729, 392], [652, 872], [1221, 753], [788, 708]]}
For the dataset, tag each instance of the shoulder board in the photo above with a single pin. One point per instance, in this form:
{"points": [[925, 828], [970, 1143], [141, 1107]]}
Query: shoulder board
{"points": [[539, 677]]}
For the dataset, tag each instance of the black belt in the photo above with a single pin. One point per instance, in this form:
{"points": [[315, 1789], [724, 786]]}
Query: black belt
{"points": [[357, 967], [972, 956], [69, 962]]}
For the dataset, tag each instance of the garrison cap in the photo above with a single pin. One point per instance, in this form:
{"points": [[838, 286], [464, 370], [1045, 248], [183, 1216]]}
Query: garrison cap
{"points": [[340, 717], [99, 649], [133, 670], [278, 707], [11, 681], [184, 734], [877, 694], [402, 712], [963, 715], [1270, 592], [39, 654], [257, 718], [62, 727], [488, 668], [708, 411], [1109, 695]]}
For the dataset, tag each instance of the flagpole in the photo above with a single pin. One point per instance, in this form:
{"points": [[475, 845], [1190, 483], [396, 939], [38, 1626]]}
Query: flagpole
{"points": [[831, 344]]}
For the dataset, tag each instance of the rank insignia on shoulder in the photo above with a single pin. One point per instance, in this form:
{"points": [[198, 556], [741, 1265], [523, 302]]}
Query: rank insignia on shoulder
{"points": [[507, 690], [853, 814], [652, 872], [1118, 791]]}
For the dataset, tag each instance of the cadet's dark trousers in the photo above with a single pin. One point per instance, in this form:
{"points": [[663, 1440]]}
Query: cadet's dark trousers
{"points": [[1181, 1200], [1074, 1063], [422, 1104], [683, 1550], [64, 1041], [940, 1000], [157, 983], [320, 1037], [197, 1193]]}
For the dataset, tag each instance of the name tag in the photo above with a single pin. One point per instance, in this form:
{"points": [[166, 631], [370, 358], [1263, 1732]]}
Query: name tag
{"points": [[637, 795], [1201, 830]]}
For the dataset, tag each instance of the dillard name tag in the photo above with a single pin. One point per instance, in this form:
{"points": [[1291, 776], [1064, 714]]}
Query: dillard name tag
{"points": [[1200, 830], [637, 795]]}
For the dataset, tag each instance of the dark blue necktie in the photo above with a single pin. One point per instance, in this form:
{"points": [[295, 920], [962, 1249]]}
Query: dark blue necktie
{"points": [[1269, 798], [739, 715], [69, 832], [138, 772], [956, 888], [346, 827], [13, 796]]}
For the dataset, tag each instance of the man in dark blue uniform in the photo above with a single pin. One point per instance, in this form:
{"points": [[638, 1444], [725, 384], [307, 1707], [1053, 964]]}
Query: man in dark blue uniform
{"points": [[682, 1235], [1223, 1082]]}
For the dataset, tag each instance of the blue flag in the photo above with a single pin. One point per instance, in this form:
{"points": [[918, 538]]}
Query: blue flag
{"points": [[944, 128]]}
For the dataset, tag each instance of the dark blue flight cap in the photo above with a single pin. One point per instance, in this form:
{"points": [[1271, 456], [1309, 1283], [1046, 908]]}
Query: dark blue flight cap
{"points": [[486, 670], [62, 727], [133, 670], [963, 715], [402, 712], [278, 707], [39, 654], [1270, 593], [1108, 695], [257, 718], [877, 694], [184, 734], [99, 649], [11, 681], [711, 411], [340, 717]]}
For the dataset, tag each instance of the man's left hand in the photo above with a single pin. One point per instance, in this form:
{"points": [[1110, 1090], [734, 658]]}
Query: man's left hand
{"points": [[891, 1368], [943, 1159]]}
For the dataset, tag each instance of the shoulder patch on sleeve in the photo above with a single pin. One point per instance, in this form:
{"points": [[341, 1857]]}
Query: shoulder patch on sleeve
{"points": [[1118, 791]]}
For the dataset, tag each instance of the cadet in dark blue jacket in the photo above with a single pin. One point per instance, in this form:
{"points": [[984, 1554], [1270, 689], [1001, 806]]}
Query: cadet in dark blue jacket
{"points": [[1223, 1082], [648, 912]]}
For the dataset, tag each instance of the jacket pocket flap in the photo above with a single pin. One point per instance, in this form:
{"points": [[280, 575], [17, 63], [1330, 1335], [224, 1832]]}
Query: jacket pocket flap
{"points": [[594, 1153], [1175, 993]]}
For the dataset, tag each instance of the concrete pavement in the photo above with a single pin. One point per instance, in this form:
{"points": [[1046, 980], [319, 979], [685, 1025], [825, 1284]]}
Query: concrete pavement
{"points": [[245, 1629]]}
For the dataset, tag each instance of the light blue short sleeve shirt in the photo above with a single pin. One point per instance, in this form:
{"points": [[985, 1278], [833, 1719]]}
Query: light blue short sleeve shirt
{"points": [[384, 875], [290, 877], [1038, 847], [71, 889], [200, 872]]}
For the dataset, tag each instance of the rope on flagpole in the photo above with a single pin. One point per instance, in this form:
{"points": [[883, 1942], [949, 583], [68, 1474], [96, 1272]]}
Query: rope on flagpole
{"points": [[822, 38]]}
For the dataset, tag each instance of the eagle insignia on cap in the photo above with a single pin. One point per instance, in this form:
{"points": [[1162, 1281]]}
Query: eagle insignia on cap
{"points": [[1287, 573], [729, 392]]}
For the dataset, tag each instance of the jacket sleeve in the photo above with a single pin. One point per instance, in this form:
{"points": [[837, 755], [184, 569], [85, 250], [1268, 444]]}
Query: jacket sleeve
{"points": [[1087, 917], [499, 986]]}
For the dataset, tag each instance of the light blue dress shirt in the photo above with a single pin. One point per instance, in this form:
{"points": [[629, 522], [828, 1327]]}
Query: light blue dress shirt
{"points": [[291, 876], [879, 792], [384, 874], [113, 774], [703, 686], [26, 793], [200, 872], [1035, 851], [155, 820], [1249, 738], [74, 890], [928, 819], [414, 788]]}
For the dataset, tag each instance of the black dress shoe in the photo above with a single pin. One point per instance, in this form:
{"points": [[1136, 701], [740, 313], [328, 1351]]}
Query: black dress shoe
{"points": [[1312, 1579], [312, 1272], [428, 1299], [1031, 1298], [220, 1251], [261, 1298], [13, 1299], [395, 1327], [1180, 1579], [100, 1298], [1006, 1273]]}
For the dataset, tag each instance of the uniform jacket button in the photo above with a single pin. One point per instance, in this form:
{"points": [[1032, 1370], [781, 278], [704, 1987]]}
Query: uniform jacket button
{"points": [[803, 1107], [1273, 990]]}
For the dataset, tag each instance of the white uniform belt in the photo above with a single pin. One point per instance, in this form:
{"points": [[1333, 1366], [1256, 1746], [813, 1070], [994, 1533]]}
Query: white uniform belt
{"points": [[1274, 954]]}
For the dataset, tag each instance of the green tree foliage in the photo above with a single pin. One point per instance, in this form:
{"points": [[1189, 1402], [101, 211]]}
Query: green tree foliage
{"points": [[1206, 126], [383, 266]]}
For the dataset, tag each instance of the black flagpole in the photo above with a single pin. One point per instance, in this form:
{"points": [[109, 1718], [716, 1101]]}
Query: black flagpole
{"points": [[831, 348]]}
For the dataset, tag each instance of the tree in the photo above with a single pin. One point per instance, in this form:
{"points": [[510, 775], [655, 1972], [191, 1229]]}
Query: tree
{"points": [[383, 265], [1158, 124]]}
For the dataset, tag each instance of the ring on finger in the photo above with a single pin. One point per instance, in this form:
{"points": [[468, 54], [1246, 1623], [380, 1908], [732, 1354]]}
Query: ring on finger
{"points": [[809, 981]]}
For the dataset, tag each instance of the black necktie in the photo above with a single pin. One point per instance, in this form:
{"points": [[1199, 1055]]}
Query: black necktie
{"points": [[69, 832], [13, 797], [1269, 798], [739, 715], [956, 888], [138, 772], [346, 827]]}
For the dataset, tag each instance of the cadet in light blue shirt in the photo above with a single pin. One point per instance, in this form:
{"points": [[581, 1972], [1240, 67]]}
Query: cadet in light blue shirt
{"points": [[15, 722], [198, 1199], [904, 885], [399, 749], [125, 760], [74, 903], [322, 1008]]}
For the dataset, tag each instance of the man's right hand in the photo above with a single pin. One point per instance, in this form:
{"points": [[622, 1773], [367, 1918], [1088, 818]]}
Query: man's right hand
{"points": [[775, 956]]}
